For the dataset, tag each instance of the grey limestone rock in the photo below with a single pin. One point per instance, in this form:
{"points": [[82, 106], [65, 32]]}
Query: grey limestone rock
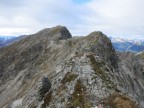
{"points": [[83, 72]]}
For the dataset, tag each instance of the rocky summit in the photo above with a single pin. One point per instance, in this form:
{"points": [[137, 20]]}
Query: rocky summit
{"points": [[52, 69]]}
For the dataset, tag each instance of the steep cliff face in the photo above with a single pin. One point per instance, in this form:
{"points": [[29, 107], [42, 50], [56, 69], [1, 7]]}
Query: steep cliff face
{"points": [[50, 69], [131, 72]]}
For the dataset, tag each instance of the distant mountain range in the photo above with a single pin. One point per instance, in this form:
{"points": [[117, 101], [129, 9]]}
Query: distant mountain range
{"points": [[128, 45], [7, 40], [4, 39]]}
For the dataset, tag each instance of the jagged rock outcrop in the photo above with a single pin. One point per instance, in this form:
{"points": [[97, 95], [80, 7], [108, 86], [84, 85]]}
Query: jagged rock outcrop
{"points": [[81, 72], [44, 87]]}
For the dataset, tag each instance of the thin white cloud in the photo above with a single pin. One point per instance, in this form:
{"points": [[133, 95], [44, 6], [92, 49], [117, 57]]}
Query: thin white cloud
{"points": [[113, 17], [13, 31], [119, 17]]}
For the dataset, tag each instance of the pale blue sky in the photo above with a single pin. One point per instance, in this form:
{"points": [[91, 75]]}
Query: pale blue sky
{"points": [[119, 18], [81, 1]]}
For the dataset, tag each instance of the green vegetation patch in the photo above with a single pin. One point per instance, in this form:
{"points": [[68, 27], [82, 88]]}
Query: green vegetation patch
{"points": [[142, 55], [79, 96], [97, 67], [118, 101], [69, 76], [47, 99], [32, 106]]}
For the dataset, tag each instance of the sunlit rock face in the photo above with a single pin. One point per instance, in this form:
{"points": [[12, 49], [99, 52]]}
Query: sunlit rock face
{"points": [[52, 69]]}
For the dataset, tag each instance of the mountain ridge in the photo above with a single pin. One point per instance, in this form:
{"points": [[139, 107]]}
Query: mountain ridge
{"points": [[120, 44], [53, 69]]}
